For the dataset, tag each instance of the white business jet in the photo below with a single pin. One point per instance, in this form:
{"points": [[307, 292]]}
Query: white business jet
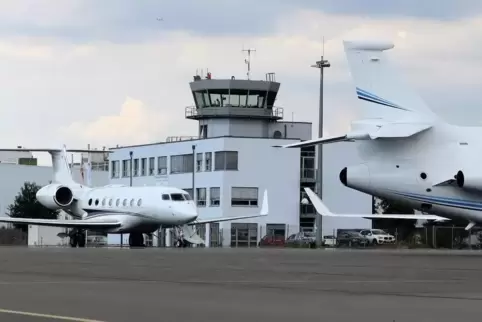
{"points": [[117, 209], [410, 155]]}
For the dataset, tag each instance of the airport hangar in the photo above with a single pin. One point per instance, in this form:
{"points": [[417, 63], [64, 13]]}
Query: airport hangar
{"points": [[238, 123]]}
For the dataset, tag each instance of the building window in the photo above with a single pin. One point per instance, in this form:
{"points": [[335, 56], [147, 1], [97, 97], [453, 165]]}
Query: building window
{"points": [[136, 167], [161, 165], [201, 197], [199, 162], [247, 197], [143, 166], [181, 163], [225, 160], [208, 164], [152, 166], [125, 168], [214, 196], [115, 169]]}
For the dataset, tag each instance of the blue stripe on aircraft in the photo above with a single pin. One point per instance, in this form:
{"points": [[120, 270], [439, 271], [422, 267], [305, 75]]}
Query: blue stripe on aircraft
{"points": [[364, 95], [442, 201]]}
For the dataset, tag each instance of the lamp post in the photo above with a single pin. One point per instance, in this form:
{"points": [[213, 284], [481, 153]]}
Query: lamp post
{"points": [[321, 64]]}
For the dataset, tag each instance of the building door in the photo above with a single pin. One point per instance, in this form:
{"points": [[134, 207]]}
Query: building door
{"points": [[244, 235]]}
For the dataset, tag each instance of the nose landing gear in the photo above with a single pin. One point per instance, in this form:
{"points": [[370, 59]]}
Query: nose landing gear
{"points": [[136, 240]]}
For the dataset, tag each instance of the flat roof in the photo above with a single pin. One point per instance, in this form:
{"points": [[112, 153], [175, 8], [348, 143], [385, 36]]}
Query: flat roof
{"points": [[211, 138]]}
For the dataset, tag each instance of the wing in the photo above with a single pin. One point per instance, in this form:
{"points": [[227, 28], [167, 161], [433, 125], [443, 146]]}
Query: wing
{"points": [[263, 213], [62, 223], [324, 211]]}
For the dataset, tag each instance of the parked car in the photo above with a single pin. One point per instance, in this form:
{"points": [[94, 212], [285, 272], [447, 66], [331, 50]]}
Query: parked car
{"points": [[351, 238], [378, 236], [329, 240], [272, 240], [301, 238]]}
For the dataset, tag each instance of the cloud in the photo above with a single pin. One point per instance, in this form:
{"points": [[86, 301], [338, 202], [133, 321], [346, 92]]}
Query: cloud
{"points": [[53, 83], [134, 124]]}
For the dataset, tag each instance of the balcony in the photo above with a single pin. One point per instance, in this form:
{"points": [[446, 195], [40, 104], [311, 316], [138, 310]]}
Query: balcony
{"points": [[194, 113]]}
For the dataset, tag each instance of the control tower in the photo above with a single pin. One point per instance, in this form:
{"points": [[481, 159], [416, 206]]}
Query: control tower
{"points": [[234, 107]]}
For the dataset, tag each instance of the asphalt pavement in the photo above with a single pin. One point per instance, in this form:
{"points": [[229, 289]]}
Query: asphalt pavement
{"points": [[156, 284]]}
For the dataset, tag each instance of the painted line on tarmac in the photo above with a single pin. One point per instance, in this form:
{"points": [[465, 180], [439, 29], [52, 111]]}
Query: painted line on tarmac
{"points": [[48, 316]]}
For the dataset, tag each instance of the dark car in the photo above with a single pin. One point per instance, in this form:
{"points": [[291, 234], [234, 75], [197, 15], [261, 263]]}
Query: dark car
{"points": [[351, 238]]}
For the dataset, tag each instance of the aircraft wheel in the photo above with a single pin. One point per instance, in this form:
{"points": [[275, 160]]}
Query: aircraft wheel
{"points": [[73, 241], [81, 240]]}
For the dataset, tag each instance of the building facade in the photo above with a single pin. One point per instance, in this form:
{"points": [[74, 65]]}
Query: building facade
{"points": [[231, 161]]}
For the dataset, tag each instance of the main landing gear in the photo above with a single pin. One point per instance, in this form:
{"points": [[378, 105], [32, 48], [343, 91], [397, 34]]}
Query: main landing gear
{"points": [[77, 238], [136, 240]]}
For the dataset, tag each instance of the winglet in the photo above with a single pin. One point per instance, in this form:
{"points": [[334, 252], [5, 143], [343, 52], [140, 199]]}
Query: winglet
{"points": [[264, 207], [317, 203]]}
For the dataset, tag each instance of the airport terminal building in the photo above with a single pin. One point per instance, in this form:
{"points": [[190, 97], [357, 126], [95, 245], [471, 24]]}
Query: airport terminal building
{"points": [[227, 167]]}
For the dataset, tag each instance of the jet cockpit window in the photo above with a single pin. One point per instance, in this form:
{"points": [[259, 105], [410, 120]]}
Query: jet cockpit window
{"points": [[187, 196], [165, 197], [177, 197]]}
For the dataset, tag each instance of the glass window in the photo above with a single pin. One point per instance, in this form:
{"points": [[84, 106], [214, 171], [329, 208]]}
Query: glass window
{"points": [[226, 160], [143, 166], [132, 203], [139, 202], [151, 166], [244, 196], [214, 196], [187, 196], [207, 165], [201, 196], [90, 202], [215, 99], [165, 197], [177, 197], [252, 100], [234, 100], [199, 99], [96, 202], [110, 202], [199, 162], [162, 165], [124, 203], [136, 167], [103, 202], [117, 202], [207, 101]]}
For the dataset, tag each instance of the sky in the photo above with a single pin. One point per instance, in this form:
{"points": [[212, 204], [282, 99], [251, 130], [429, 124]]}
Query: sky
{"points": [[111, 72]]}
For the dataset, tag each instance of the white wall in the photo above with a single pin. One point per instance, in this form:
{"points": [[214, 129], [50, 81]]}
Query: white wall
{"points": [[260, 165], [336, 196]]}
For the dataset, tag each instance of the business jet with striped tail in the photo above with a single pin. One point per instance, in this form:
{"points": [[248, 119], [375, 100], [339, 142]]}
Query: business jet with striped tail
{"points": [[117, 209], [410, 155]]}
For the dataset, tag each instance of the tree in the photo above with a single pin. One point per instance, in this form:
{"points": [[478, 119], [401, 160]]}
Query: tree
{"points": [[26, 205], [403, 227]]}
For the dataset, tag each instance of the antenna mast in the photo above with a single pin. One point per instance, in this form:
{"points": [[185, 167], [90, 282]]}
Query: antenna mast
{"points": [[248, 60]]}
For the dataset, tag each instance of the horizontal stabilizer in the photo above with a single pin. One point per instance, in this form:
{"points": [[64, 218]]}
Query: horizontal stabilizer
{"points": [[263, 213], [369, 130], [61, 223], [306, 143], [399, 130], [324, 211]]}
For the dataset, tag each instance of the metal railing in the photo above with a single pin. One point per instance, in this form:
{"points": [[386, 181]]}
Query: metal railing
{"points": [[193, 112]]}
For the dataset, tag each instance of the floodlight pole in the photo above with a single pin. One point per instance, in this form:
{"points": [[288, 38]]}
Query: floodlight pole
{"points": [[321, 64]]}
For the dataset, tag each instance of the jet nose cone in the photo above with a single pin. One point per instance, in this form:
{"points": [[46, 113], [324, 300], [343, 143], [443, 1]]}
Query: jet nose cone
{"points": [[189, 214]]}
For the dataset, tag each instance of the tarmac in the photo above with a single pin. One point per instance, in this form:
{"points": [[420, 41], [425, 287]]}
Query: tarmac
{"points": [[200, 284]]}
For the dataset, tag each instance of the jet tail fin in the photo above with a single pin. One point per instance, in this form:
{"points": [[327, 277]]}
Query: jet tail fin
{"points": [[379, 83], [60, 162]]}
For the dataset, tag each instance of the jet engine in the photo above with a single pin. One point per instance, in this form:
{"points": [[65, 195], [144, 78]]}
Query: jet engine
{"points": [[55, 196], [468, 181]]}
